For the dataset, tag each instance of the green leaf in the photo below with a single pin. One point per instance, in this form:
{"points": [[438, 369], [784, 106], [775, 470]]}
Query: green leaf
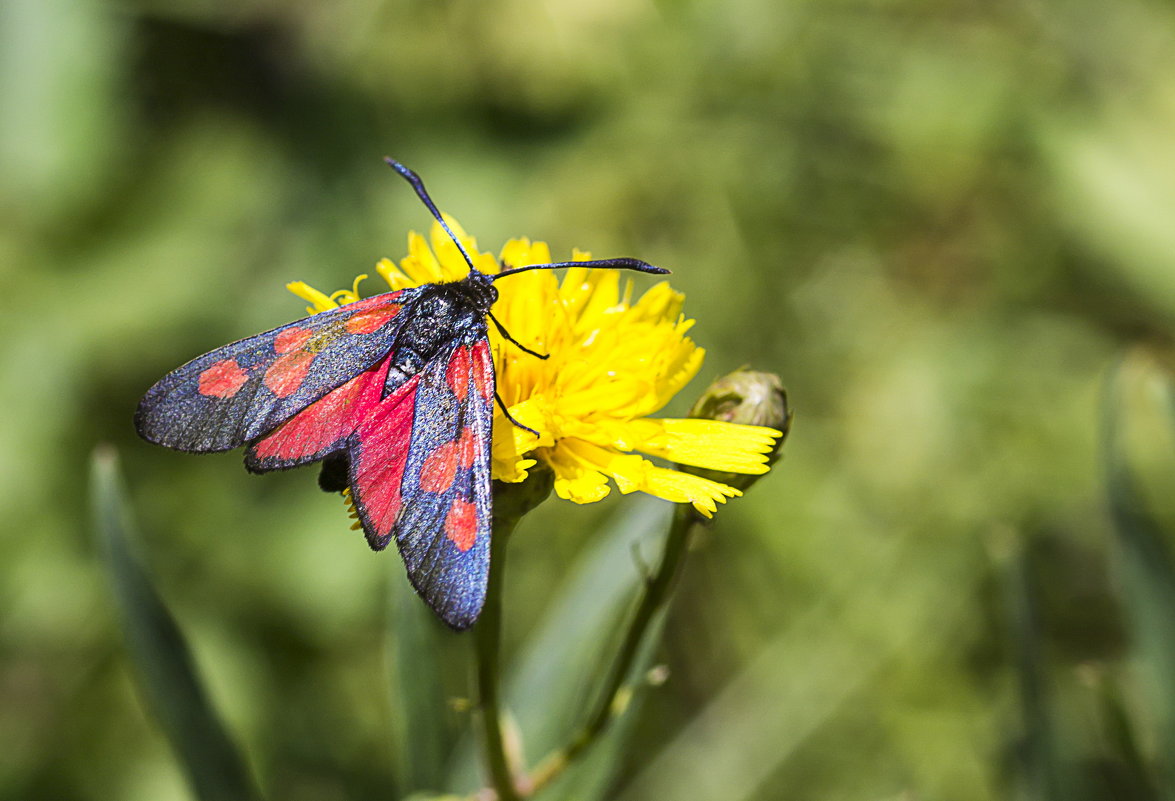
{"points": [[1139, 458], [593, 776], [1040, 770], [423, 734], [1136, 776], [168, 679], [551, 683], [911, 602]]}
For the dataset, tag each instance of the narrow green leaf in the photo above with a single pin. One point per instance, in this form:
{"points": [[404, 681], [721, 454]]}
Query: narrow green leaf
{"points": [[1040, 772], [561, 665], [550, 684], [423, 733], [1140, 476], [1136, 777], [592, 778], [167, 675], [911, 601]]}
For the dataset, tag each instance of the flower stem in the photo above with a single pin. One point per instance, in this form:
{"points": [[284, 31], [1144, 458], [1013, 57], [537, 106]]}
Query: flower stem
{"points": [[488, 640], [657, 591]]}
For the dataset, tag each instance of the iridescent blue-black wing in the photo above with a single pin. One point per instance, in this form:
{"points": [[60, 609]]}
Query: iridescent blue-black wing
{"points": [[419, 472], [242, 391]]}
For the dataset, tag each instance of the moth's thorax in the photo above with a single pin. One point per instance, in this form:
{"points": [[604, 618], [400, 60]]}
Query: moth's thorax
{"points": [[439, 315], [477, 288]]}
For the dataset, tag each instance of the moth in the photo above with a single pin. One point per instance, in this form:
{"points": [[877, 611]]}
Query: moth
{"points": [[392, 394]]}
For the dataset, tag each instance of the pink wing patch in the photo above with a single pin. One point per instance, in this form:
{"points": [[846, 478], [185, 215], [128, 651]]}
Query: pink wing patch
{"points": [[223, 379], [457, 373], [368, 320], [461, 524], [288, 372], [483, 369], [321, 426], [441, 466], [291, 339], [378, 460]]}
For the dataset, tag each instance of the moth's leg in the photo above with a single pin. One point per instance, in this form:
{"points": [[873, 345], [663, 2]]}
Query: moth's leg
{"points": [[509, 417], [502, 330]]}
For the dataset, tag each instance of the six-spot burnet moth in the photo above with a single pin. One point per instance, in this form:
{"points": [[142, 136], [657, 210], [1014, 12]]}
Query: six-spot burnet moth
{"points": [[393, 394]]}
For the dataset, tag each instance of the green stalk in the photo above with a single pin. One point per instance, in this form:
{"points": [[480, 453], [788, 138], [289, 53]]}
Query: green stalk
{"points": [[656, 595], [488, 641]]}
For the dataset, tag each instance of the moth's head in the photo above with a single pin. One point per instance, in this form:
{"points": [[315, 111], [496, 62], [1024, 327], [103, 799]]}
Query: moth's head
{"points": [[481, 289]]}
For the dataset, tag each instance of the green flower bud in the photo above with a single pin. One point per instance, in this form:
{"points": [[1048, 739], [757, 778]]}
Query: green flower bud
{"points": [[747, 397]]}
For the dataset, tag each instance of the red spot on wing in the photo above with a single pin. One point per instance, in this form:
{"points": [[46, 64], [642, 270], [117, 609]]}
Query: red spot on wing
{"points": [[467, 447], [383, 452], [223, 379], [331, 418], [439, 468], [388, 300], [461, 524], [291, 339], [367, 321], [483, 369], [286, 374], [457, 373]]}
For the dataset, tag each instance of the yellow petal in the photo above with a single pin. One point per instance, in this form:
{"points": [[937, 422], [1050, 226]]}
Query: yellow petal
{"points": [[575, 481], [395, 277], [704, 494], [319, 301], [420, 264], [345, 296], [660, 303], [726, 447], [680, 370]]}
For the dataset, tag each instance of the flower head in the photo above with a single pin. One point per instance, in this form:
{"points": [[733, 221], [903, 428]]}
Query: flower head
{"points": [[613, 361]]}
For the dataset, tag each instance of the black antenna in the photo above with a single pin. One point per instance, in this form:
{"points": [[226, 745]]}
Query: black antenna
{"points": [[418, 185], [593, 264]]}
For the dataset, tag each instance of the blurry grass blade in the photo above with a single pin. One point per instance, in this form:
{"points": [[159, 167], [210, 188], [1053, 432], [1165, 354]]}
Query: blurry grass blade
{"points": [[162, 660], [593, 776], [551, 683], [1139, 446], [910, 602], [421, 717], [1121, 733], [1140, 475], [1037, 763]]}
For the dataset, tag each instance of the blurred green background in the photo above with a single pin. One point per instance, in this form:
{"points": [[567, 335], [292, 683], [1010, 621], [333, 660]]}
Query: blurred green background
{"points": [[943, 224]]}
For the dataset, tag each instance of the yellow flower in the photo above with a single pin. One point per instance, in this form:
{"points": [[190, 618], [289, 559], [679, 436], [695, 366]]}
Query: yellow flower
{"points": [[613, 362]]}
